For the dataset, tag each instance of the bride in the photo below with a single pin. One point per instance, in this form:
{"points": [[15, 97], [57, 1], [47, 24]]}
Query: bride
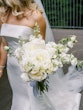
{"points": [[18, 18]]}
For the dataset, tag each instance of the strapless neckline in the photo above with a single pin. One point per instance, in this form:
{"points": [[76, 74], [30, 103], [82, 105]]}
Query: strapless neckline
{"points": [[11, 30], [16, 25]]}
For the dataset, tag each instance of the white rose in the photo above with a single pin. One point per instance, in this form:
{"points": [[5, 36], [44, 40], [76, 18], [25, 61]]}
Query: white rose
{"points": [[66, 50], [73, 38], [51, 49], [52, 44], [26, 67], [39, 43], [29, 46], [70, 44], [34, 44], [41, 55], [74, 62]]}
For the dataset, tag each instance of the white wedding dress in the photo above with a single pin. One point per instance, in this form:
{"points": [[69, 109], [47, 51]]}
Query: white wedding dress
{"points": [[63, 93]]}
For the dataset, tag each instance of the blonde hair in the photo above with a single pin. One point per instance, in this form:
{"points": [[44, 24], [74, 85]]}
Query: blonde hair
{"points": [[17, 7]]}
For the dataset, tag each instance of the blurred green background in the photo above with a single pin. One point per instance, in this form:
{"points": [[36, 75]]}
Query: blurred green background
{"points": [[64, 13]]}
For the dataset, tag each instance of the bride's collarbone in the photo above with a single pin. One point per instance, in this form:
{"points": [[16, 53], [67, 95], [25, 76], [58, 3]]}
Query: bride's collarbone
{"points": [[27, 19], [28, 23]]}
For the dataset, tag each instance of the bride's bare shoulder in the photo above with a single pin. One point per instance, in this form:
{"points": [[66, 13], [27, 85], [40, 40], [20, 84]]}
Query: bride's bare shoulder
{"points": [[36, 16]]}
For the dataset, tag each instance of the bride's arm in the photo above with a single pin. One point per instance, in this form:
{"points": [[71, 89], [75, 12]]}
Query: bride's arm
{"points": [[42, 25], [41, 22], [3, 55]]}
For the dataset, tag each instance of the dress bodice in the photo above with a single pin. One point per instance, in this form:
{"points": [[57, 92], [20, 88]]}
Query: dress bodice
{"points": [[13, 32]]}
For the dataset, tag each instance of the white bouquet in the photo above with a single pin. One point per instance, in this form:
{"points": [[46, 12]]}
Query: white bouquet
{"points": [[37, 60]]}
